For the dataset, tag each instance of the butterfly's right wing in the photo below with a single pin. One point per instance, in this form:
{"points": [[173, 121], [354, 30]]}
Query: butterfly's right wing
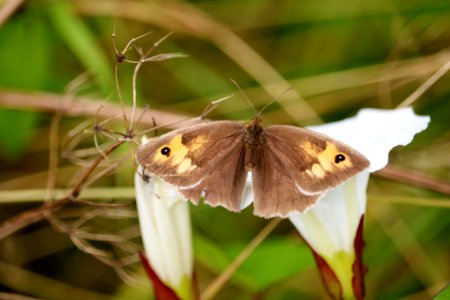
{"points": [[297, 166], [205, 158], [276, 193]]}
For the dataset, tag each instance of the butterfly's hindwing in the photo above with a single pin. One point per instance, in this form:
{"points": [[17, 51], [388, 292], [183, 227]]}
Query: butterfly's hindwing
{"points": [[276, 194]]}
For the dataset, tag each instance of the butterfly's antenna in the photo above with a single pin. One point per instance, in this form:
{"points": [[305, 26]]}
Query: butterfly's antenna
{"points": [[273, 100], [245, 96]]}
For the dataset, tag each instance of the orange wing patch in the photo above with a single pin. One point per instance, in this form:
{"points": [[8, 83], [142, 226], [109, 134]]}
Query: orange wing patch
{"points": [[326, 158], [178, 152]]}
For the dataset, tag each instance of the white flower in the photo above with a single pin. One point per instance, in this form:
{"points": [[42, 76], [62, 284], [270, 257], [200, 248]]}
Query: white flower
{"points": [[330, 226], [166, 232]]}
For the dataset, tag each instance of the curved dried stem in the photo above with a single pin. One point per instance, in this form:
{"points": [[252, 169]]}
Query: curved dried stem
{"points": [[119, 95], [32, 216], [213, 288], [8, 9], [97, 129], [81, 237], [53, 156], [426, 85], [414, 178]]}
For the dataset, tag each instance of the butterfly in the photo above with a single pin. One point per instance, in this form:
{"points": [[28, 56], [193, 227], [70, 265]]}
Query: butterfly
{"points": [[291, 167]]}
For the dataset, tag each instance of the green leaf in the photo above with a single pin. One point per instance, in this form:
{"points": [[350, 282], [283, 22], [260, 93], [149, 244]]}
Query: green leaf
{"points": [[213, 257], [24, 42], [188, 71], [209, 254], [140, 290], [82, 42], [444, 294], [275, 260], [14, 140]]}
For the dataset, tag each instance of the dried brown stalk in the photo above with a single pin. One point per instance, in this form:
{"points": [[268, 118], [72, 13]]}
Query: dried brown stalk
{"points": [[414, 178], [8, 9], [214, 287], [35, 215], [82, 106]]}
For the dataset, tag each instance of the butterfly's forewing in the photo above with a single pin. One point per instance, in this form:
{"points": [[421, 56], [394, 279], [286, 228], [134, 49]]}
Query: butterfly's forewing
{"points": [[202, 158], [303, 164]]}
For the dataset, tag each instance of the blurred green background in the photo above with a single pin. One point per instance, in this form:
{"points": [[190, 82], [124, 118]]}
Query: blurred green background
{"points": [[338, 56]]}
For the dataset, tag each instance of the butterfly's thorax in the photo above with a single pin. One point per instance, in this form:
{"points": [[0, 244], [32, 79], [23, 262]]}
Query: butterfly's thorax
{"points": [[254, 139]]}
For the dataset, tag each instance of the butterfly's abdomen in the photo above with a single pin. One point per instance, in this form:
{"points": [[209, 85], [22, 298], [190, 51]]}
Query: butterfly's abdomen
{"points": [[254, 140]]}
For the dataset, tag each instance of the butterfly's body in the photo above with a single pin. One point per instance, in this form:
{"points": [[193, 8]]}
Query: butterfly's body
{"points": [[253, 141], [291, 166]]}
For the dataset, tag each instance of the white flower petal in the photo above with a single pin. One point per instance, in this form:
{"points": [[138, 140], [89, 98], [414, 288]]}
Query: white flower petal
{"points": [[247, 198], [147, 224], [374, 132], [330, 226], [184, 235], [165, 227]]}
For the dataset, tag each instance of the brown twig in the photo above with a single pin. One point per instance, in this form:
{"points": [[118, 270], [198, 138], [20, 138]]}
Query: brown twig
{"points": [[213, 288], [77, 188], [53, 156], [35, 215], [53, 136], [426, 85], [14, 296], [8, 9], [409, 200], [82, 106], [420, 263], [142, 60], [415, 178]]}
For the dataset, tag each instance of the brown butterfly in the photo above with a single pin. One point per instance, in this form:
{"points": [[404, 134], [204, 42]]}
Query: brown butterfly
{"points": [[291, 166]]}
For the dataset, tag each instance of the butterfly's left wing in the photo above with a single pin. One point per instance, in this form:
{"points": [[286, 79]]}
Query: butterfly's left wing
{"points": [[296, 166], [202, 159]]}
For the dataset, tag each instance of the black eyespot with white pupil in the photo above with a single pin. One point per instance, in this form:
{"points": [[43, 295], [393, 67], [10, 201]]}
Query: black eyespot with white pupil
{"points": [[165, 151], [339, 158]]}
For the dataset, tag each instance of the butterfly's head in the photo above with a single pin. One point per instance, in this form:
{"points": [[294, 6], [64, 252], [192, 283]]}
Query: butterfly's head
{"points": [[254, 134], [256, 122]]}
